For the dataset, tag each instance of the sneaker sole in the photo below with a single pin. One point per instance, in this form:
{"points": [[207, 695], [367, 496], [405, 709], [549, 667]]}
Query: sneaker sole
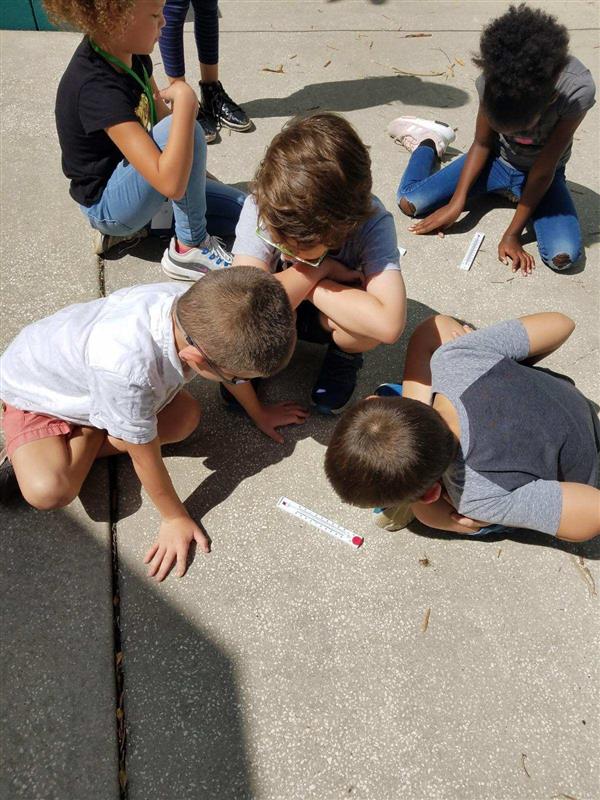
{"points": [[329, 412], [181, 273], [245, 127]]}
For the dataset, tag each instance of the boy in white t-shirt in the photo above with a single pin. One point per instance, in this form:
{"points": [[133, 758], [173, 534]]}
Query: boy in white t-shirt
{"points": [[106, 377]]}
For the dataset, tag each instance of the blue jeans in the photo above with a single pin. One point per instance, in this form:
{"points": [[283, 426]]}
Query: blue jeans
{"points": [[555, 220], [129, 202]]}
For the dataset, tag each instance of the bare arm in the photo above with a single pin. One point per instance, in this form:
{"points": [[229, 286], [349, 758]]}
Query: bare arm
{"points": [[541, 174], [538, 182], [379, 312], [167, 171], [546, 331], [580, 515], [478, 154], [177, 529], [427, 337], [442, 516]]}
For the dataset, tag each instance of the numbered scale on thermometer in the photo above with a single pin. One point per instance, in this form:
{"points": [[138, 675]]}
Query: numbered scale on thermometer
{"points": [[317, 521], [469, 258]]}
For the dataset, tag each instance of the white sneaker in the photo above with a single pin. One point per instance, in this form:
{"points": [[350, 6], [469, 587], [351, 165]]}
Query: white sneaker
{"points": [[194, 264], [411, 131]]}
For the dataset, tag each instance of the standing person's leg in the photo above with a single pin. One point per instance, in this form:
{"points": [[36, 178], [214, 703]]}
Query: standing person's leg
{"points": [[172, 52], [216, 103], [556, 226], [171, 38]]}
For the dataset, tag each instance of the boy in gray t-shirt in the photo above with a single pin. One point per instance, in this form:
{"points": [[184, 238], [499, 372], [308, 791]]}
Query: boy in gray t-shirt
{"points": [[478, 438]]}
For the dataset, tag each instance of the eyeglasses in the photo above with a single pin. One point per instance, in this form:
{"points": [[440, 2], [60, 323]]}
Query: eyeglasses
{"points": [[288, 253], [211, 364]]}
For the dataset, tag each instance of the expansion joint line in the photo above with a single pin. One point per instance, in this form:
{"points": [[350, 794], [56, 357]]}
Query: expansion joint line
{"points": [[116, 600]]}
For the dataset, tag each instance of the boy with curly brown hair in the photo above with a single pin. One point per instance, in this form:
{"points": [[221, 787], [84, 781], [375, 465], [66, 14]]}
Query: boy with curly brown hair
{"points": [[312, 220]]}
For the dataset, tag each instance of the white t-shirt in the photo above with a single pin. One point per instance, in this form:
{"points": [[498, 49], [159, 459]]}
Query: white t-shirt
{"points": [[111, 363]]}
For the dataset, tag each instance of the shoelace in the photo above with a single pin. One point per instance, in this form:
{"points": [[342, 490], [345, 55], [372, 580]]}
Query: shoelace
{"points": [[216, 248], [409, 142], [221, 98]]}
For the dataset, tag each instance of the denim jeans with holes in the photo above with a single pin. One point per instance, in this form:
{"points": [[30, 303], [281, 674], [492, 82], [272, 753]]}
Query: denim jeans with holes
{"points": [[129, 202], [555, 220]]}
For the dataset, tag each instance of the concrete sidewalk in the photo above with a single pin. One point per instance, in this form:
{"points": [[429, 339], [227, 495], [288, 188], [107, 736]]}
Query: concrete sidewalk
{"points": [[285, 666]]}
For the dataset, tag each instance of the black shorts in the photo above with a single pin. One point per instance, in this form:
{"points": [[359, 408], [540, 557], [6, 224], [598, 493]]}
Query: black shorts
{"points": [[308, 325]]}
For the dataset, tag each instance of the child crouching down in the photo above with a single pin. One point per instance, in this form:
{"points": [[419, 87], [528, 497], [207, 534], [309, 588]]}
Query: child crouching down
{"points": [[533, 95], [126, 146], [107, 377], [312, 219], [480, 441]]}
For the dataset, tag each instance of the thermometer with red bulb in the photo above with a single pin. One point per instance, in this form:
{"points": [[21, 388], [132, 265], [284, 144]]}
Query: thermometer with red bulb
{"points": [[322, 523]]}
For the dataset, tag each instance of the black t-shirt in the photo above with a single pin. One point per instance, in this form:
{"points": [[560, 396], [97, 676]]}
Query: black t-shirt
{"points": [[92, 96]]}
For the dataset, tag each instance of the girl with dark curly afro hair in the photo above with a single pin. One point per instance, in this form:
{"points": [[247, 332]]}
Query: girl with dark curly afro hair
{"points": [[126, 146], [533, 96]]}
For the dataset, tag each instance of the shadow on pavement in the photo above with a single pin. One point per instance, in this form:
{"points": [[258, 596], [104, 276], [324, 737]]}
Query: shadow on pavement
{"points": [[183, 714], [352, 95], [185, 729]]}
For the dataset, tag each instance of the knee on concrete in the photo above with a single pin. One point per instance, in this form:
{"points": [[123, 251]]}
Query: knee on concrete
{"points": [[406, 207], [562, 261]]}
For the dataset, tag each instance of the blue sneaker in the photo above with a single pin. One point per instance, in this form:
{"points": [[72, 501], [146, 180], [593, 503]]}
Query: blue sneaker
{"points": [[389, 390], [336, 381]]}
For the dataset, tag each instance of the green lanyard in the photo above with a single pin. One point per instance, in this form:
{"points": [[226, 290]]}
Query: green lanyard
{"points": [[145, 84]]}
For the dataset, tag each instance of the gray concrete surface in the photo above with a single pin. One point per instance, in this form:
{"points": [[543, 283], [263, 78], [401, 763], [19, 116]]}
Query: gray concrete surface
{"points": [[58, 697], [285, 665]]}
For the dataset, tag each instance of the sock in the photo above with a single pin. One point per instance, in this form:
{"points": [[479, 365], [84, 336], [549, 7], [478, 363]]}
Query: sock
{"points": [[428, 143]]}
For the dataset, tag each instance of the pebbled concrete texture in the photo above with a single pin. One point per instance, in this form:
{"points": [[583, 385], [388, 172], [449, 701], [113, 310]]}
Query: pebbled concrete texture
{"points": [[285, 665], [58, 695]]}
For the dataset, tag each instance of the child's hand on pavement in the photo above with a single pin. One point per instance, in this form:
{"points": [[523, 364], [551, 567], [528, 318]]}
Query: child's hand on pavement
{"points": [[438, 221], [465, 525], [510, 248], [273, 416], [174, 539]]}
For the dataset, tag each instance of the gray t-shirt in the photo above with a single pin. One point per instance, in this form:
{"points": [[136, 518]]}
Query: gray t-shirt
{"points": [[111, 363], [522, 430], [575, 94], [372, 248]]}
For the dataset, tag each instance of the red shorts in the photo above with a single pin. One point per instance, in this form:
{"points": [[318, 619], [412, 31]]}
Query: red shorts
{"points": [[22, 427]]}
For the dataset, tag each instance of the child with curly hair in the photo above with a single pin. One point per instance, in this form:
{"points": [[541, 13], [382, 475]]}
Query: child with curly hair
{"points": [[533, 95], [126, 146]]}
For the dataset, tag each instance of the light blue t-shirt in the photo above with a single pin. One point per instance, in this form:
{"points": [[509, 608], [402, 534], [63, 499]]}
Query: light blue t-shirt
{"points": [[372, 248]]}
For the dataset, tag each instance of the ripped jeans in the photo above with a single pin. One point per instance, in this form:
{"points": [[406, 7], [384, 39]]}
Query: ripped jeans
{"points": [[555, 220]]}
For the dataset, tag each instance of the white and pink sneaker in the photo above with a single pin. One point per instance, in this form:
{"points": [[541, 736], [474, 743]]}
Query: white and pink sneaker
{"points": [[411, 131]]}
